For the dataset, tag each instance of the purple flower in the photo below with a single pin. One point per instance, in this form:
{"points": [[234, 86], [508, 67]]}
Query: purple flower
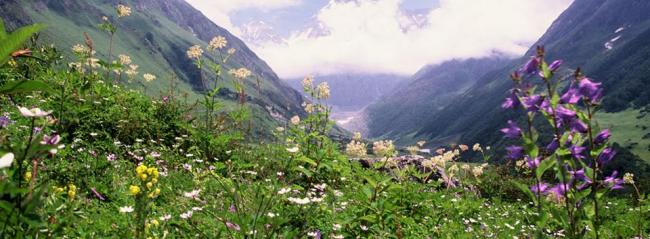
{"points": [[532, 163], [111, 157], [539, 188], [232, 208], [606, 156], [51, 140], [559, 190], [233, 226], [512, 131], [576, 151], [602, 137], [589, 89], [515, 152], [578, 126], [579, 175], [99, 196], [555, 65], [511, 101], [551, 147], [5, 120], [531, 67], [532, 103], [572, 96], [565, 114], [613, 182]]}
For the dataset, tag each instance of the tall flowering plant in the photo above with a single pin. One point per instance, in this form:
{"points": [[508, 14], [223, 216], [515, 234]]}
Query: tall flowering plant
{"points": [[567, 168]]}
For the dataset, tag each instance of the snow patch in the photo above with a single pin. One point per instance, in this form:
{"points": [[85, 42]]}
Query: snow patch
{"points": [[620, 29]]}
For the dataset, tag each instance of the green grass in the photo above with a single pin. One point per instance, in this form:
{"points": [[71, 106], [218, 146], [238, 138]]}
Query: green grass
{"points": [[628, 129]]}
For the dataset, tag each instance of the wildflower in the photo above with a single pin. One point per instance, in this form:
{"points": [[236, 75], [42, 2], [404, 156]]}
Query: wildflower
{"points": [[5, 120], [231, 51], [532, 163], [97, 194], [34, 112], [165, 217], [149, 77], [513, 131], [531, 67], [613, 182], [194, 52], [606, 156], [576, 151], [558, 191], [308, 83], [421, 143], [309, 108], [336, 227], [134, 190], [383, 148], [271, 214], [51, 140], [477, 147], [315, 234], [477, 171], [602, 137], [578, 126], [572, 96], [72, 191], [293, 150], [241, 73], [187, 166], [628, 178], [463, 147], [194, 194], [515, 152], [532, 103], [124, 60], [126, 209], [555, 65], [511, 101], [551, 147], [279, 129], [80, 49], [132, 70], [413, 150], [589, 89], [356, 149], [187, 214], [284, 191], [323, 90], [123, 11], [300, 201], [233, 226], [154, 222], [295, 120], [218, 42]]}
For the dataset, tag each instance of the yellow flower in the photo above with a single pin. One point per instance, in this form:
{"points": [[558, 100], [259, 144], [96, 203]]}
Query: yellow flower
{"points": [[72, 191], [141, 169], [149, 185], [154, 222], [13, 63], [308, 82], [154, 193], [241, 73], [628, 178], [28, 176], [135, 190], [323, 90]]}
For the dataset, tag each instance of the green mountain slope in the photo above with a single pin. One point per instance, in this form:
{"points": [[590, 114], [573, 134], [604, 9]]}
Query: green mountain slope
{"points": [[156, 36], [402, 113], [609, 39]]}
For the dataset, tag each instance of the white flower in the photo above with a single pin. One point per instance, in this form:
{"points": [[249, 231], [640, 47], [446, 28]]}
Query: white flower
{"points": [[126, 209], [6, 160], [149, 77], [284, 191], [187, 215], [193, 194], [218, 42], [295, 120], [336, 227], [301, 201], [35, 112], [166, 217], [271, 215], [293, 149], [194, 52]]}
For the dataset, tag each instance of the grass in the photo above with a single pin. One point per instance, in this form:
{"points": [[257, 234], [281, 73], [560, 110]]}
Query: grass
{"points": [[628, 129]]}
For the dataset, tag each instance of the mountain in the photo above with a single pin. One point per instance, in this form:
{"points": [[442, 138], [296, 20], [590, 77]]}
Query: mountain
{"points": [[156, 36], [259, 33], [406, 109], [608, 39], [353, 92]]}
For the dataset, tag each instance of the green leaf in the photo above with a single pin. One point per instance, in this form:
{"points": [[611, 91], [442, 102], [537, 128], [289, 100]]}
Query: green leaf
{"points": [[526, 190], [15, 40], [24, 86], [545, 165], [307, 160]]}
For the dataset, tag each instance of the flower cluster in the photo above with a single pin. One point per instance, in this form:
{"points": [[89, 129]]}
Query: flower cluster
{"points": [[241, 73], [194, 52], [149, 77], [149, 178], [217, 43], [383, 148], [356, 149], [123, 11]]}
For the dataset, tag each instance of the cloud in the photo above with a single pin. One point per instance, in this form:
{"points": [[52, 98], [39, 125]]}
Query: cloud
{"points": [[376, 36], [219, 10]]}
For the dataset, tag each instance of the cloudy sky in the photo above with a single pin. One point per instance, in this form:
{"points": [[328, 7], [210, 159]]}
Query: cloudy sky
{"points": [[300, 37]]}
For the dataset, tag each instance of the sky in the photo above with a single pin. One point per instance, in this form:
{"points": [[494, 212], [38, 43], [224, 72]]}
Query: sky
{"points": [[381, 36]]}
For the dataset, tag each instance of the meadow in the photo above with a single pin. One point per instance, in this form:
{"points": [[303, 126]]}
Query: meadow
{"points": [[86, 153]]}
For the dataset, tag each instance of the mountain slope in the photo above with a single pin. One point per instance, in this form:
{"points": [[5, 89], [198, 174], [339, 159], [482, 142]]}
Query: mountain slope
{"points": [[156, 36], [401, 113], [609, 39]]}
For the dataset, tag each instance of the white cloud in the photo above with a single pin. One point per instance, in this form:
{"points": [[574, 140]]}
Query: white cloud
{"points": [[219, 10], [369, 35]]}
